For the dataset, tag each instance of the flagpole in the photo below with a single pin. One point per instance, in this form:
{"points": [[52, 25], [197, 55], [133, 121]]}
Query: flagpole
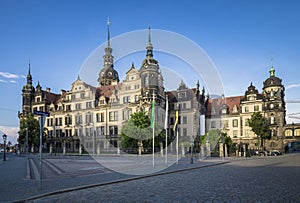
{"points": [[166, 161], [166, 129], [153, 147], [177, 146], [153, 128], [175, 129]]}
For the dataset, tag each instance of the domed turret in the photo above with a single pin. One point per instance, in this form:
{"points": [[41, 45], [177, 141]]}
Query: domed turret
{"points": [[108, 75], [272, 80]]}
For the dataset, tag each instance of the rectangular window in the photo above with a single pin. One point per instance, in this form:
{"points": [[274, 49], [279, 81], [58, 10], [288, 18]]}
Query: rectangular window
{"points": [[88, 118], [184, 131], [126, 99], [247, 133], [256, 108], [68, 120], [113, 130], [82, 95], [68, 107], [235, 123], [137, 98], [78, 119], [184, 120], [246, 109], [100, 117], [100, 131], [235, 133], [78, 106], [213, 124], [89, 105], [226, 124], [113, 116]]}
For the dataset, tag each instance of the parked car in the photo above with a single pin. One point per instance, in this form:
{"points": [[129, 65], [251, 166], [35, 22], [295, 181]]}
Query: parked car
{"points": [[261, 153], [275, 153]]}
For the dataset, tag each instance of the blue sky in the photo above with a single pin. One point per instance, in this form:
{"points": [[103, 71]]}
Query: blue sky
{"points": [[240, 37]]}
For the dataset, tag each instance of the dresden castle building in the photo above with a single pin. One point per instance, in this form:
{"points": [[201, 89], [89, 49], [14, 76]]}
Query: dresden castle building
{"points": [[90, 117]]}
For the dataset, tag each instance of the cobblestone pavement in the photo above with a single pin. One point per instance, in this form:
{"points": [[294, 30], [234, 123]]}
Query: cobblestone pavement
{"points": [[20, 174], [259, 179]]}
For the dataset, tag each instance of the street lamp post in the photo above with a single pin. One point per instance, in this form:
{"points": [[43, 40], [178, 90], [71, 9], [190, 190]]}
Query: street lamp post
{"points": [[26, 142], [4, 151]]}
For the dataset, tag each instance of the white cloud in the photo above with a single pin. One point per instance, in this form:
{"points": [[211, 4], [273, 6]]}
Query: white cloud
{"points": [[9, 75], [11, 132], [292, 86], [11, 78]]}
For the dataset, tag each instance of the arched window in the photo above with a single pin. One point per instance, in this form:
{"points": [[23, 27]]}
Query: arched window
{"points": [[272, 120], [297, 132], [288, 133]]}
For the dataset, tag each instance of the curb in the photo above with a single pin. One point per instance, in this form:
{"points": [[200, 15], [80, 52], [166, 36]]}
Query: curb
{"points": [[118, 181]]}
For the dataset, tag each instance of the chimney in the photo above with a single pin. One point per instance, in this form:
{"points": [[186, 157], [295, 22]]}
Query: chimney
{"points": [[62, 91]]}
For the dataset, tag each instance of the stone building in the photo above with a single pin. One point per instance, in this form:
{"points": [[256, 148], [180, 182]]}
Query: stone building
{"points": [[90, 118], [231, 115]]}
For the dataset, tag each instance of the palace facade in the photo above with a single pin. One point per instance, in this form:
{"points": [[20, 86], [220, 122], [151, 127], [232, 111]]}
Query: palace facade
{"points": [[237, 110], [91, 118]]}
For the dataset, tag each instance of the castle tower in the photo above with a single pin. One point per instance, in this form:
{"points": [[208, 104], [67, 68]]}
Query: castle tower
{"points": [[27, 94], [274, 104], [151, 77], [108, 75]]}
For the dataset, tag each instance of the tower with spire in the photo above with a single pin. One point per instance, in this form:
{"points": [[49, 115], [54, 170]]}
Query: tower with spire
{"points": [[273, 103], [108, 75], [150, 74], [27, 94]]}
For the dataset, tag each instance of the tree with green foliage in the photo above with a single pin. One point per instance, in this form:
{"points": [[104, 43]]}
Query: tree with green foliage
{"points": [[228, 141], [33, 127], [137, 132], [259, 126]]}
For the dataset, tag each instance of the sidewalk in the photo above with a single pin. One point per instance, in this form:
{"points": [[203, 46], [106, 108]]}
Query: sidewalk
{"points": [[16, 187]]}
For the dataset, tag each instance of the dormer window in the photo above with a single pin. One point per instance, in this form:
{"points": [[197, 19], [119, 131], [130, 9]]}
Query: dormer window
{"points": [[235, 109], [181, 95], [213, 111], [38, 99]]}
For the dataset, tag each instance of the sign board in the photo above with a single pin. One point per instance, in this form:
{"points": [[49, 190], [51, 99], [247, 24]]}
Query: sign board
{"points": [[41, 113]]}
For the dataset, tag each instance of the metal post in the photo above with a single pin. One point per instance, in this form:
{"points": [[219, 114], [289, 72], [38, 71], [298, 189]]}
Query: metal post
{"points": [[26, 144], [41, 142], [4, 151], [177, 147], [166, 158], [94, 143]]}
